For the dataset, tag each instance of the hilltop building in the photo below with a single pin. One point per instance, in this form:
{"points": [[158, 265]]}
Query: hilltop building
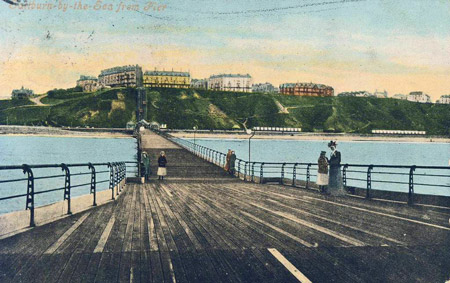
{"points": [[380, 94], [21, 93], [125, 76], [399, 96], [419, 96], [88, 83], [199, 84], [355, 94], [167, 79], [445, 99], [306, 89], [264, 88], [230, 82]]}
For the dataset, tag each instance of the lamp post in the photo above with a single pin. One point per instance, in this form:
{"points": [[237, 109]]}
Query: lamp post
{"points": [[251, 133], [195, 131]]}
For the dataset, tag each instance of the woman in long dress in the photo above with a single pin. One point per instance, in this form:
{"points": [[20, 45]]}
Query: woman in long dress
{"points": [[335, 186], [322, 172], [227, 161], [162, 161]]}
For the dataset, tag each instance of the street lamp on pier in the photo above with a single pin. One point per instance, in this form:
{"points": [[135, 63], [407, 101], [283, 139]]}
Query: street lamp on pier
{"points": [[251, 133], [195, 131]]}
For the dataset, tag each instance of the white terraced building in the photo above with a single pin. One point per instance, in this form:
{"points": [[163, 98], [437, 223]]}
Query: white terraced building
{"points": [[445, 99], [230, 82], [419, 96]]}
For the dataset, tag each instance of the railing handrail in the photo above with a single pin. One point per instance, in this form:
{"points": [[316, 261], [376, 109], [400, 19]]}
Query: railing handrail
{"points": [[117, 174], [268, 167]]}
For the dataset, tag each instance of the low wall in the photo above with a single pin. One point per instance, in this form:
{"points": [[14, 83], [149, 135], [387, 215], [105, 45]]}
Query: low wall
{"points": [[19, 220]]}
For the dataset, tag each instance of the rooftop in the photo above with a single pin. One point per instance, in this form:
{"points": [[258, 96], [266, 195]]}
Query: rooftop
{"points": [[167, 73], [230, 76], [115, 70], [311, 85]]}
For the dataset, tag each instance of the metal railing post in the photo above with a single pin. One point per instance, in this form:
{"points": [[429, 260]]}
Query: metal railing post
{"points": [[411, 185], [261, 173], [253, 171], [111, 179], [93, 183], [66, 186], [308, 175], [245, 170], [282, 173], [344, 176], [30, 193], [294, 174], [116, 178], [369, 180], [239, 169]]}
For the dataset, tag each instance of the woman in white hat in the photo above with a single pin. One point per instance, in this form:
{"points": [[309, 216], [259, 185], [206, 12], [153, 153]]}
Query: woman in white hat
{"points": [[162, 161], [335, 186]]}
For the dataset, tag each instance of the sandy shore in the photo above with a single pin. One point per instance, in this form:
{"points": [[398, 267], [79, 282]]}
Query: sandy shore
{"points": [[58, 132], [74, 135], [317, 137]]}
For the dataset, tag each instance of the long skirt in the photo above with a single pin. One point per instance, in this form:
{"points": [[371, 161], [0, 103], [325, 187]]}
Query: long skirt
{"points": [[322, 179], [162, 171], [335, 186]]}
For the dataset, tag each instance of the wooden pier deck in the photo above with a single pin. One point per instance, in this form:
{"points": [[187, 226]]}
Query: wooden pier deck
{"points": [[189, 229]]}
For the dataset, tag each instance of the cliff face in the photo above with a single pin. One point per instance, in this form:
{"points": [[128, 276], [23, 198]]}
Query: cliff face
{"points": [[184, 109]]}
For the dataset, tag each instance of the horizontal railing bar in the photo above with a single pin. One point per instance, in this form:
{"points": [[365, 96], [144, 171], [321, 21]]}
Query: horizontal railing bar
{"points": [[431, 175], [49, 177], [80, 185], [47, 191], [80, 174], [390, 182], [15, 196], [13, 180], [431, 185], [102, 182]]}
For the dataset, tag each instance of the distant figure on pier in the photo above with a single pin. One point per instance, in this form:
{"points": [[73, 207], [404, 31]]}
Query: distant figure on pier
{"points": [[322, 172], [335, 186], [227, 161], [162, 161], [232, 163], [146, 163]]}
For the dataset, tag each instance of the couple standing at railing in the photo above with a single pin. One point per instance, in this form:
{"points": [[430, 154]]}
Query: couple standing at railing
{"points": [[230, 162], [329, 179]]}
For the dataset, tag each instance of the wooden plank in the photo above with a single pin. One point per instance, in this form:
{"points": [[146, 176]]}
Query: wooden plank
{"points": [[168, 250]]}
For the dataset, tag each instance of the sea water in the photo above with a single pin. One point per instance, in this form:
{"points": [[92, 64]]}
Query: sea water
{"points": [[435, 182], [17, 150]]}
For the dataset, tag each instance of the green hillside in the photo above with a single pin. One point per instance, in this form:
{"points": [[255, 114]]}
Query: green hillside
{"points": [[227, 110]]}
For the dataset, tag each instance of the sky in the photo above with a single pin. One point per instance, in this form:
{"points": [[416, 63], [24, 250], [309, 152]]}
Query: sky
{"points": [[394, 45]]}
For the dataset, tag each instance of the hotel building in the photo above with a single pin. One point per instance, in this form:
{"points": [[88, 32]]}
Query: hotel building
{"points": [[167, 79], [88, 83], [230, 82], [306, 89], [419, 96], [126, 76]]}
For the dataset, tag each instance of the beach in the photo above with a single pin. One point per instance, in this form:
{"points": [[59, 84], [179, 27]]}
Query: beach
{"points": [[63, 132], [315, 137]]}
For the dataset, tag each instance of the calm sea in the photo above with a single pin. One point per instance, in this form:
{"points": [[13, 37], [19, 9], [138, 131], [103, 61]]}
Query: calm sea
{"points": [[16, 150], [355, 152]]}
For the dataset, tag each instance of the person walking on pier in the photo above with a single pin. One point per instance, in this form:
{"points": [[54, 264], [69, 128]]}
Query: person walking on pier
{"points": [[232, 163], [227, 161], [162, 161], [322, 172], [335, 186], [146, 164]]}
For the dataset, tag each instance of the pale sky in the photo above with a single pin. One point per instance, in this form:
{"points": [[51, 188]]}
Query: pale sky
{"points": [[400, 46]]}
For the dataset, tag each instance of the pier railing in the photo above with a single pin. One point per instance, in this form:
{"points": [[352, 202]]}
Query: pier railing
{"points": [[360, 177], [97, 177]]}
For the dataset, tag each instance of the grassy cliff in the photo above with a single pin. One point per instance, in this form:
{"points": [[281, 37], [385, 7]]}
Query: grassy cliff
{"points": [[228, 110]]}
